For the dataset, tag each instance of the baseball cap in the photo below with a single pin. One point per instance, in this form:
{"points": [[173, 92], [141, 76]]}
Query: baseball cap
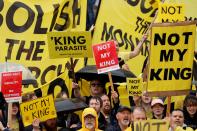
{"points": [[123, 108], [156, 101]]}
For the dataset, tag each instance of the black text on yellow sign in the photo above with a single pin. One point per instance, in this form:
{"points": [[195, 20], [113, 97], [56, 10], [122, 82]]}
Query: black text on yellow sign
{"points": [[69, 44], [68, 10], [171, 12], [151, 125], [171, 57], [134, 86], [42, 108]]}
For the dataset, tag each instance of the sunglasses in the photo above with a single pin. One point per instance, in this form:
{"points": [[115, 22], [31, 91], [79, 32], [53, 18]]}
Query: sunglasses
{"points": [[95, 84]]}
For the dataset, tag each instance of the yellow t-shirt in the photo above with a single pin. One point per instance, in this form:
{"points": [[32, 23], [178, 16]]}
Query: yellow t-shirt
{"points": [[15, 125]]}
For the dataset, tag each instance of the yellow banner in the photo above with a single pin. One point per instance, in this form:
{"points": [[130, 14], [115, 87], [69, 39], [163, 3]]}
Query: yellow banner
{"points": [[23, 29], [69, 44], [134, 86], [42, 108], [171, 12], [125, 21], [190, 11], [59, 84], [151, 125], [171, 57]]}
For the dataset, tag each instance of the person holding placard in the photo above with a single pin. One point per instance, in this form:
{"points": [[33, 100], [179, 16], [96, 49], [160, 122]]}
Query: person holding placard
{"points": [[97, 88], [107, 110], [136, 50], [123, 117]]}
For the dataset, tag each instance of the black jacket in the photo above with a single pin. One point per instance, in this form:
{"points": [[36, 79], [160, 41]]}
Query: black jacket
{"points": [[102, 123], [114, 127]]}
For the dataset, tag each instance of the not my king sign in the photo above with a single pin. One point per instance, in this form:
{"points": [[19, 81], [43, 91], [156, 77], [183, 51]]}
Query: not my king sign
{"points": [[171, 57]]}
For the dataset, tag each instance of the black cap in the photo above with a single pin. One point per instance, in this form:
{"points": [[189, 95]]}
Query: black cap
{"points": [[123, 108]]}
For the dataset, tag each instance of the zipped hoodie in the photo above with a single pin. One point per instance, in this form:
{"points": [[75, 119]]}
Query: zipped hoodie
{"points": [[89, 111]]}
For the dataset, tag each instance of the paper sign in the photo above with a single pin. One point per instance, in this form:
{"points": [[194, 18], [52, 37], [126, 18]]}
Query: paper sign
{"points": [[171, 57], [134, 86], [171, 12], [151, 125], [42, 108], [11, 86], [69, 44], [106, 57]]}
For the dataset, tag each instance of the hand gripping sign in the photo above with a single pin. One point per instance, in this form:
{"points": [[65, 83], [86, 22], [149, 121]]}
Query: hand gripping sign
{"points": [[41, 108]]}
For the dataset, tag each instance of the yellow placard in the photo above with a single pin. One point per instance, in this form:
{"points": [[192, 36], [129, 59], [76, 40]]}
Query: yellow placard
{"points": [[42, 108], [171, 56], [171, 12], [151, 125], [134, 86], [126, 22], [181, 129], [69, 44], [190, 10]]}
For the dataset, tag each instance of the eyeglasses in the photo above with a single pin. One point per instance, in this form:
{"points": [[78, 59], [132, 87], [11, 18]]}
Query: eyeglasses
{"points": [[96, 84]]}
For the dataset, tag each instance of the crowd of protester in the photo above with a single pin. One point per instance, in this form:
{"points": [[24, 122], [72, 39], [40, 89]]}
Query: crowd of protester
{"points": [[105, 112]]}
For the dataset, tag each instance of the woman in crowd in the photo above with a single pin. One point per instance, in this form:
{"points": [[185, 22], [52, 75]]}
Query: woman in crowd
{"points": [[146, 104], [190, 111]]}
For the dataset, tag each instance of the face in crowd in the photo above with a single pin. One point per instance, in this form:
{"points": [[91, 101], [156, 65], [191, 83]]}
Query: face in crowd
{"points": [[177, 118], [106, 103], [191, 109], [157, 106], [190, 104], [124, 117], [96, 87], [146, 99], [158, 109], [96, 103], [15, 109], [90, 122], [139, 113]]}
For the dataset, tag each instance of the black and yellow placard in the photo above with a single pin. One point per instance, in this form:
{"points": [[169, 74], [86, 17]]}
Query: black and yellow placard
{"points": [[151, 125], [69, 44], [171, 12], [134, 86], [171, 57], [42, 108], [190, 10]]}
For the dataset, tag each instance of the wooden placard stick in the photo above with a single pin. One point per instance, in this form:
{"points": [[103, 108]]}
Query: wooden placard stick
{"points": [[111, 81]]}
